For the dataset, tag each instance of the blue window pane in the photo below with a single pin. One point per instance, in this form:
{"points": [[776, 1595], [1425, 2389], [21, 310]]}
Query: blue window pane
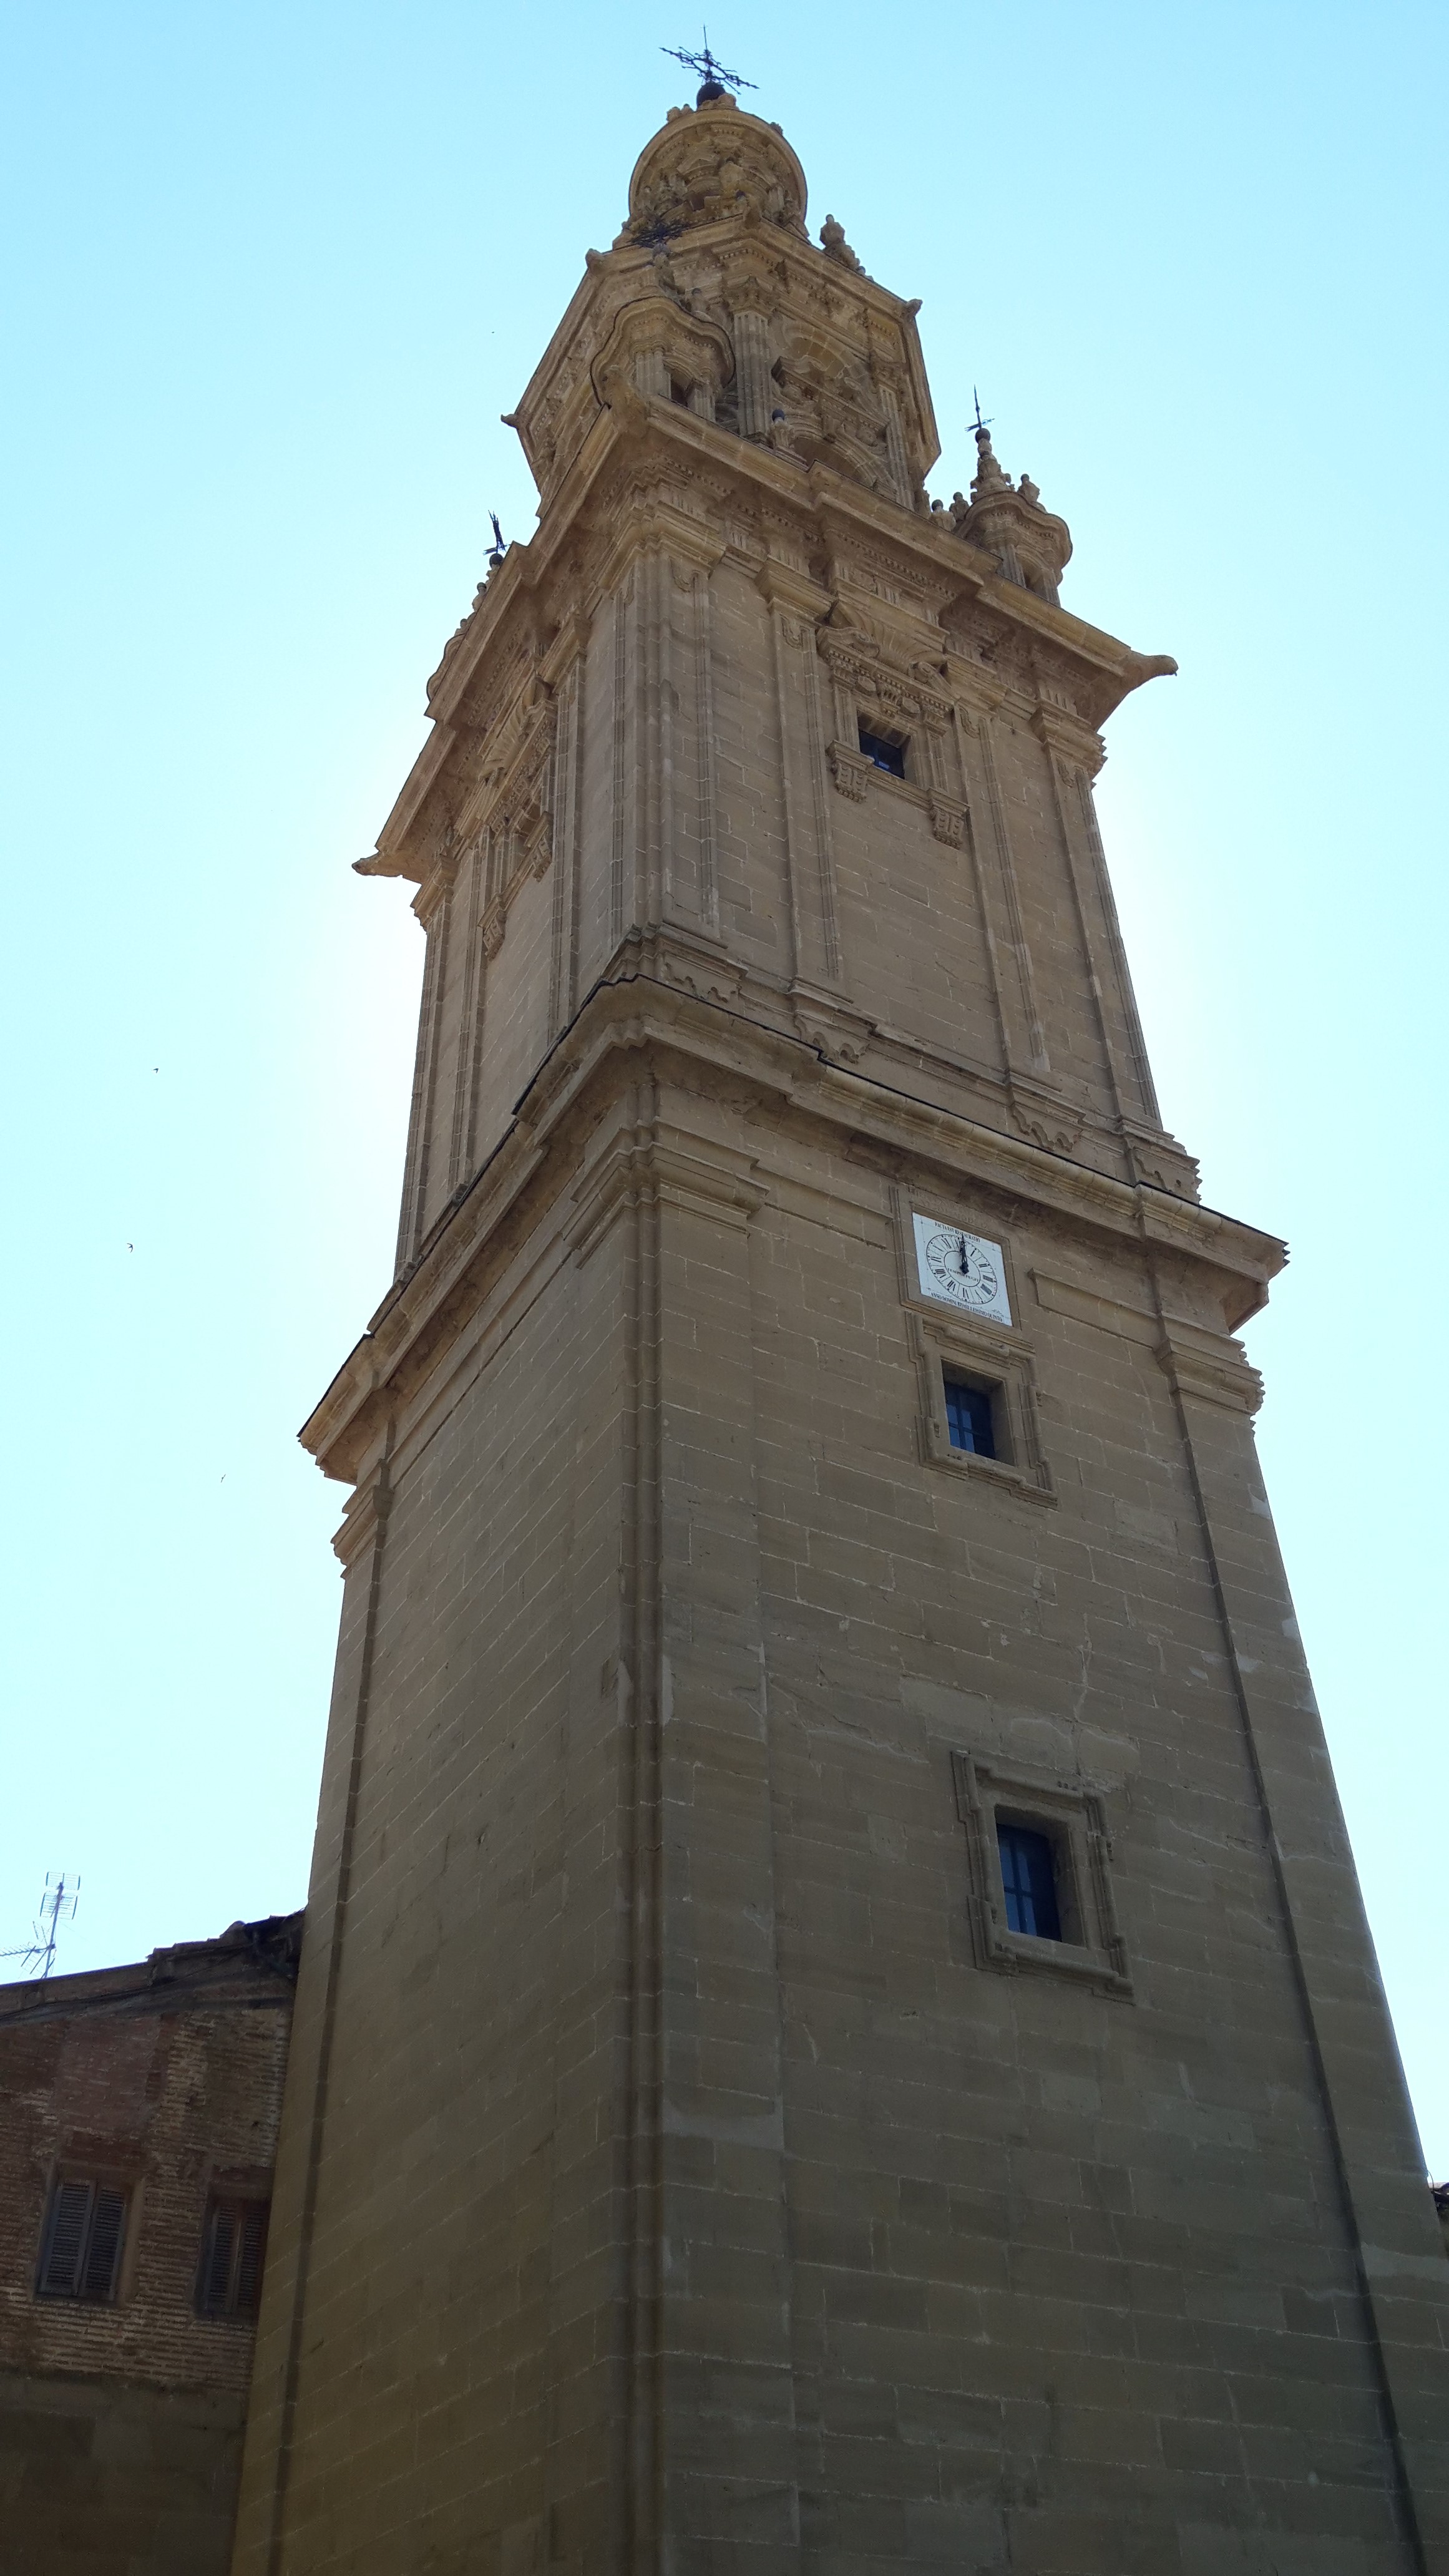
{"points": [[890, 756], [968, 1418], [1029, 1880]]}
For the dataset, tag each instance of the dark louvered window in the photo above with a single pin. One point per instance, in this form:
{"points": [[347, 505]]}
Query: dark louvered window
{"points": [[229, 2282], [80, 2251]]}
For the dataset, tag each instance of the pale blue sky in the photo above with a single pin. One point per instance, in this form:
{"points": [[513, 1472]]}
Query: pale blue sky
{"points": [[273, 273]]}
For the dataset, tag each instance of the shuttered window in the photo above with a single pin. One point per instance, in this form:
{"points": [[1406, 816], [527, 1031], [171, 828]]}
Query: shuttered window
{"points": [[80, 2251], [229, 2282]]}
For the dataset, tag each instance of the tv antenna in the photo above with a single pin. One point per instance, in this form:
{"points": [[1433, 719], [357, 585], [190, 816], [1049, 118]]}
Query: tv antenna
{"points": [[57, 1906], [713, 77]]}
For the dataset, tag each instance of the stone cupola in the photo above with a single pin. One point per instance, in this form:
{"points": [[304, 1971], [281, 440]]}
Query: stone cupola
{"points": [[714, 297]]}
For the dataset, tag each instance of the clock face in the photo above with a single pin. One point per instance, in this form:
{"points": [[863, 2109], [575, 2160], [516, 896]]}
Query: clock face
{"points": [[962, 1269]]}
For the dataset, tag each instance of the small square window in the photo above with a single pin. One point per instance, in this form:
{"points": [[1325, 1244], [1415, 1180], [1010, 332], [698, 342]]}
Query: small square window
{"points": [[80, 2250], [1029, 1881], [230, 2277], [1040, 1872], [970, 1416], [883, 753], [978, 1418]]}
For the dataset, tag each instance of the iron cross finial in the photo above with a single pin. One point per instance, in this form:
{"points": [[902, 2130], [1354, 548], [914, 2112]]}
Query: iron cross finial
{"points": [[714, 79]]}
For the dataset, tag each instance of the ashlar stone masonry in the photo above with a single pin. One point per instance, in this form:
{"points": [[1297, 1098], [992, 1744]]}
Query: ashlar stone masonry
{"points": [[693, 2158]]}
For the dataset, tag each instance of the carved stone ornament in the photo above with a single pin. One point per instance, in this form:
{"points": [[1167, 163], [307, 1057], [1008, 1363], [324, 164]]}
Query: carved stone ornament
{"points": [[861, 671], [827, 410], [655, 348], [850, 771], [1053, 1124], [711, 163], [1031, 547], [844, 1040], [519, 814], [708, 979], [948, 821], [1165, 1167]]}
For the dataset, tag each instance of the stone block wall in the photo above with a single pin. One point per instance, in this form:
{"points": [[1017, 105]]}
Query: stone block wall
{"points": [[693, 2175]]}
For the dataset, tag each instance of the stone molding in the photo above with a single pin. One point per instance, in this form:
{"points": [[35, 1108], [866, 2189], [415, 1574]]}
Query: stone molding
{"points": [[997, 1355], [622, 1021], [1075, 1811], [904, 553]]}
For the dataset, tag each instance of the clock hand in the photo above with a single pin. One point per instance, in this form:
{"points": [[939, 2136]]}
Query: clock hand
{"points": [[965, 1256]]}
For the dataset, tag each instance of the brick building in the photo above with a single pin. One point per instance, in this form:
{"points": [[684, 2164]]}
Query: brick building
{"points": [[138, 2124]]}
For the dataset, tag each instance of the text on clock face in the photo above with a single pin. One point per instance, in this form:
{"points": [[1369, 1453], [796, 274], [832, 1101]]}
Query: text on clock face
{"points": [[963, 1268]]}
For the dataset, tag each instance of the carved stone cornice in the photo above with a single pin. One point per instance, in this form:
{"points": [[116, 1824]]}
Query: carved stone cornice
{"points": [[784, 585], [905, 552], [626, 1022]]}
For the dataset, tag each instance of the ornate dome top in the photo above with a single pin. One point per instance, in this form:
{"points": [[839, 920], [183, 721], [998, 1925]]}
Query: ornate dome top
{"points": [[708, 163]]}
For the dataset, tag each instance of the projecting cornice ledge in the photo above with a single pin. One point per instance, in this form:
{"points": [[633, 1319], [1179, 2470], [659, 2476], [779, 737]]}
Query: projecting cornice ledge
{"points": [[943, 579], [636, 1017]]}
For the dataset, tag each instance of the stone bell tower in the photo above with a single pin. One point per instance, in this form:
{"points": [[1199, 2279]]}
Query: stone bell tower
{"points": [[836, 2029]]}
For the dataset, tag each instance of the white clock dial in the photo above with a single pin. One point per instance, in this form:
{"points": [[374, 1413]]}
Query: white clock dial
{"points": [[961, 1269]]}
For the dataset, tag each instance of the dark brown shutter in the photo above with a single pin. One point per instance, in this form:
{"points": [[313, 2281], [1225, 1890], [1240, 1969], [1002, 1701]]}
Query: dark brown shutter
{"points": [[216, 2263], [249, 2260], [65, 2237], [108, 2219]]}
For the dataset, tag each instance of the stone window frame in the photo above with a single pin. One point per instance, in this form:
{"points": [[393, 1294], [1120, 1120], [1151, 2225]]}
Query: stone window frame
{"points": [[991, 1357], [1073, 1816], [866, 691]]}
